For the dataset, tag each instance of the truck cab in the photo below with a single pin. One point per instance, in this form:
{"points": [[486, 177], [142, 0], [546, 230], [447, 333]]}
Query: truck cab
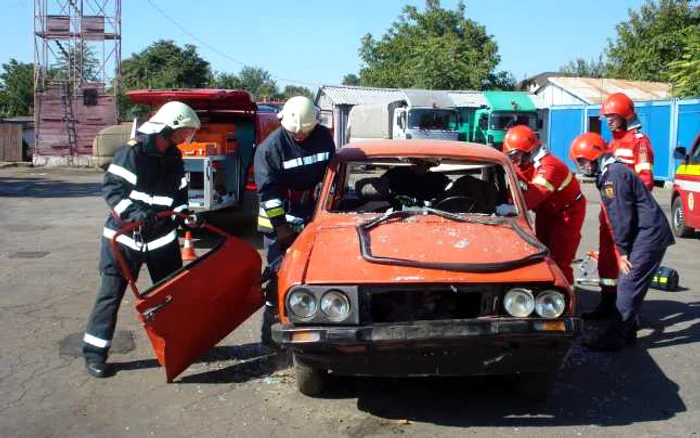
{"points": [[489, 123], [401, 120], [686, 187]]}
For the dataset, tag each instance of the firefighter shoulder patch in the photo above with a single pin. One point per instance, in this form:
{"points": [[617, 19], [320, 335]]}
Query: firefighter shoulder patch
{"points": [[608, 190]]}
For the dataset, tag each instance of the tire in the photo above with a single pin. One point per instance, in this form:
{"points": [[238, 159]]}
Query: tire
{"points": [[536, 386], [677, 220], [310, 381]]}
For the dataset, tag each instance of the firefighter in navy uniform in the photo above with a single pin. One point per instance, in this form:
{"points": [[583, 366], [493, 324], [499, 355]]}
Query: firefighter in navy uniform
{"points": [[640, 233], [145, 177], [633, 148], [289, 165]]}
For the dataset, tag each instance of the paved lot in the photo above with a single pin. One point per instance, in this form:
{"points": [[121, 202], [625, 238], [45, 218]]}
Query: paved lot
{"points": [[50, 222]]}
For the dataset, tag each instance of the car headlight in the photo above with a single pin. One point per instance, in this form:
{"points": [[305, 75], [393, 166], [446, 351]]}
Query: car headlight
{"points": [[519, 302], [302, 303], [550, 304], [336, 305]]}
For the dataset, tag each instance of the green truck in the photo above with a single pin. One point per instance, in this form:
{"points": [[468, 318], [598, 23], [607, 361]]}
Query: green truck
{"points": [[488, 123]]}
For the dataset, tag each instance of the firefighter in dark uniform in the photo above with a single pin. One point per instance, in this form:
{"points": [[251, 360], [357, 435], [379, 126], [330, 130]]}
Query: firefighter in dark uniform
{"points": [[145, 177], [289, 165], [640, 232]]}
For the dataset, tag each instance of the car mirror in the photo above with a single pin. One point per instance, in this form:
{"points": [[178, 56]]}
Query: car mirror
{"points": [[680, 153]]}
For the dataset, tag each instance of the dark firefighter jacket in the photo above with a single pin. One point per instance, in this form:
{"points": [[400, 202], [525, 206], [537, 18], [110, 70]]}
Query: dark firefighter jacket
{"points": [[636, 219], [286, 174], [139, 178]]}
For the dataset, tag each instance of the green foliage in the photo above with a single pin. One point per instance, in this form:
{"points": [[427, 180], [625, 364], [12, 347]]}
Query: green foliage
{"points": [[259, 82], [351, 79], [684, 72], [435, 49], [588, 69], [500, 81], [294, 90], [163, 64], [79, 60], [651, 39], [16, 89]]}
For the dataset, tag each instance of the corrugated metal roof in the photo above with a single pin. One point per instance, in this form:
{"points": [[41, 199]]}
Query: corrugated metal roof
{"points": [[467, 98], [352, 95], [595, 90]]}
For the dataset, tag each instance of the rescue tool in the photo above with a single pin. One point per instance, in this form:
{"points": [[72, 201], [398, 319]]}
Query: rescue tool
{"points": [[666, 279], [194, 308]]}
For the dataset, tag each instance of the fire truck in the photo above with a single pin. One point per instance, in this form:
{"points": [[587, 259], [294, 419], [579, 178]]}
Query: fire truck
{"points": [[218, 161], [686, 188]]}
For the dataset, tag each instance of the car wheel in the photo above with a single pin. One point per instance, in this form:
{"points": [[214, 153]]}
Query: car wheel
{"points": [[310, 381], [536, 386], [678, 221]]}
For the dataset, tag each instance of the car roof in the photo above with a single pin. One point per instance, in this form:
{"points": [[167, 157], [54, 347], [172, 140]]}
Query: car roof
{"points": [[364, 150]]}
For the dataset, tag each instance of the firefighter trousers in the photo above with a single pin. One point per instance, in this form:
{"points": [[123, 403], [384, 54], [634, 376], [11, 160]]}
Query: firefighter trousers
{"points": [[633, 287], [561, 233], [103, 318], [608, 270]]}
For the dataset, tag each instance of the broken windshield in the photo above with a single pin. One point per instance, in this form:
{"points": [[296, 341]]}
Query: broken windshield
{"points": [[384, 185]]}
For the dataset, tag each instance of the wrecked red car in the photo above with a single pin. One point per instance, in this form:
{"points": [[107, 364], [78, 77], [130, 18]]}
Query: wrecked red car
{"points": [[420, 260]]}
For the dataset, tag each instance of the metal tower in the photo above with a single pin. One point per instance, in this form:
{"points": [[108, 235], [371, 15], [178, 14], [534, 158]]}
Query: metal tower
{"points": [[77, 54]]}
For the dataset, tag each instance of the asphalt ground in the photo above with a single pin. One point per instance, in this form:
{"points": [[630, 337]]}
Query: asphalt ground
{"points": [[50, 226]]}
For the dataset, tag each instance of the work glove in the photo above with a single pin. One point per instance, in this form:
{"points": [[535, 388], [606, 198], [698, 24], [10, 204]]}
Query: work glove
{"points": [[505, 209], [285, 236], [191, 221]]}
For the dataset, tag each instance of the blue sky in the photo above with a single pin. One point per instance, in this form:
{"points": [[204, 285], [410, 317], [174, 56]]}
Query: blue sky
{"points": [[314, 42]]}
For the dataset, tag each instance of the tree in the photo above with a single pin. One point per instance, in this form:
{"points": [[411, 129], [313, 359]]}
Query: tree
{"points": [[226, 80], [651, 39], [436, 48], [17, 89], [684, 72], [294, 90], [587, 69], [259, 82], [80, 60], [351, 79], [503, 81], [163, 64]]}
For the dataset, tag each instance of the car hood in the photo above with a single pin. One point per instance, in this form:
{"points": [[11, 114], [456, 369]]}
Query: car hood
{"points": [[336, 255]]}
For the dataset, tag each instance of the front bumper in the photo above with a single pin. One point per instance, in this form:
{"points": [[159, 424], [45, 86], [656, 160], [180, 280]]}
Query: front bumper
{"points": [[447, 347]]}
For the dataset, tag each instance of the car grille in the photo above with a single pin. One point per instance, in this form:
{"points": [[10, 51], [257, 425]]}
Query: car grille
{"points": [[425, 303]]}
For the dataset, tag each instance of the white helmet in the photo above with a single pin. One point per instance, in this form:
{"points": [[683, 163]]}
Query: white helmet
{"points": [[298, 115], [174, 115]]}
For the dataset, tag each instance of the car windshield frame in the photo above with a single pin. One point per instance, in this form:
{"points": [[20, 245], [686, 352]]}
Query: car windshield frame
{"points": [[341, 175]]}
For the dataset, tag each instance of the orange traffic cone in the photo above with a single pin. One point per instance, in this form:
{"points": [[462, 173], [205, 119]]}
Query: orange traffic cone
{"points": [[188, 253]]}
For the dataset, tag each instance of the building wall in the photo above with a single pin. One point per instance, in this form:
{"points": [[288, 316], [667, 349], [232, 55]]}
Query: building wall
{"points": [[553, 95], [667, 123]]}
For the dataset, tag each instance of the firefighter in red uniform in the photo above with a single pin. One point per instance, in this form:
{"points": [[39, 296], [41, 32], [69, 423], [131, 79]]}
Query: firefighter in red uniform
{"points": [[632, 148], [552, 192]]}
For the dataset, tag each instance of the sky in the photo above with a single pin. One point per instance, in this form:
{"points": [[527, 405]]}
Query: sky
{"points": [[314, 42]]}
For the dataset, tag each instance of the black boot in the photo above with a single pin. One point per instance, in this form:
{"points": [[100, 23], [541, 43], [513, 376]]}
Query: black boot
{"points": [[97, 368], [604, 310], [270, 317], [612, 339]]}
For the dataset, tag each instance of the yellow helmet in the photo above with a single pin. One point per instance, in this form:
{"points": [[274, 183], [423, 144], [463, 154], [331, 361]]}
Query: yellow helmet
{"points": [[298, 115], [174, 115]]}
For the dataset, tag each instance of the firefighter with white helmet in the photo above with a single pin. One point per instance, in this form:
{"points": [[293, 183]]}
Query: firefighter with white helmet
{"points": [[145, 177], [289, 165]]}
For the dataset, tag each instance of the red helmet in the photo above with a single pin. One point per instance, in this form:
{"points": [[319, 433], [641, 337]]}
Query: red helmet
{"points": [[619, 104], [589, 146], [520, 138]]}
